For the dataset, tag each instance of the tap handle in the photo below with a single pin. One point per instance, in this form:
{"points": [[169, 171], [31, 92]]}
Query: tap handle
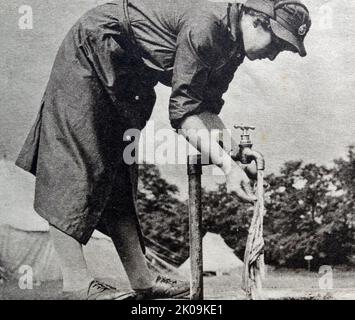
{"points": [[245, 129], [245, 137]]}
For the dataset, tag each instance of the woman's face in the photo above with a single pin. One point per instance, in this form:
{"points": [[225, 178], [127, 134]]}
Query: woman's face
{"points": [[260, 43]]}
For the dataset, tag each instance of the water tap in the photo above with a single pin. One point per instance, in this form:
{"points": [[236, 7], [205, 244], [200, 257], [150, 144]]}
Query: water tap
{"points": [[246, 154]]}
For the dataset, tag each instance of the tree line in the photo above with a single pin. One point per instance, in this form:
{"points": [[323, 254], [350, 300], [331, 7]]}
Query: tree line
{"points": [[310, 210]]}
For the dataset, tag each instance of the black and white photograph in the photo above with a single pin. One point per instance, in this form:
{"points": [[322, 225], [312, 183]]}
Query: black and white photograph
{"points": [[181, 150]]}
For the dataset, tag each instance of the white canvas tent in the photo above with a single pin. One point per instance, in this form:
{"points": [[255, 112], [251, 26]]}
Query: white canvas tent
{"points": [[24, 236], [20, 248], [218, 257]]}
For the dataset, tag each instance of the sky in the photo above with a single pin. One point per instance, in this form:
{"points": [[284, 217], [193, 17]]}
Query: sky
{"points": [[303, 108]]}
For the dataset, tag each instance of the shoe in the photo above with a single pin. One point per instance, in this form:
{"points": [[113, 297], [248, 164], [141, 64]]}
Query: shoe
{"points": [[100, 291], [165, 288]]}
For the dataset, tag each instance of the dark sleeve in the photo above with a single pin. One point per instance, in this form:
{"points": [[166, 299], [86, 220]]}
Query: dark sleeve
{"points": [[199, 50], [217, 85]]}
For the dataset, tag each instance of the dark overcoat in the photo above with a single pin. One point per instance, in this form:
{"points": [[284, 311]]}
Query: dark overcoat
{"points": [[102, 83]]}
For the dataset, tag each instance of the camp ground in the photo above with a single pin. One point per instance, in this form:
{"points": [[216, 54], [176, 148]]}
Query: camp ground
{"points": [[24, 242]]}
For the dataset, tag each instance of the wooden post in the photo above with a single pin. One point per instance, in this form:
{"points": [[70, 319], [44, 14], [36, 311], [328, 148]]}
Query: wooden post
{"points": [[195, 221]]}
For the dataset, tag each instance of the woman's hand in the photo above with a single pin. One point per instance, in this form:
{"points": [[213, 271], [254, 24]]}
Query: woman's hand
{"points": [[208, 144], [250, 170], [238, 181]]}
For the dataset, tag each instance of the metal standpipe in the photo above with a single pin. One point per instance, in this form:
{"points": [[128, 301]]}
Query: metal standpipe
{"points": [[245, 155], [194, 171]]}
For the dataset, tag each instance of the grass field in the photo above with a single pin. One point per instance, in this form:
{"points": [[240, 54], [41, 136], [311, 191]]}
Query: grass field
{"points": [[278, 285], [288, 285]]}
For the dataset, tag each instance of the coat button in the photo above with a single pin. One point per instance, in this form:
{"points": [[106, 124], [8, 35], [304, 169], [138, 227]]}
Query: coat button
{"points": [[137, 98], [239, 55]]}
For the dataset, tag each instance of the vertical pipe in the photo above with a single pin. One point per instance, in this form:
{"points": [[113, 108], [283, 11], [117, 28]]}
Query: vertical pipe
{"points": [[195, 221]]}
